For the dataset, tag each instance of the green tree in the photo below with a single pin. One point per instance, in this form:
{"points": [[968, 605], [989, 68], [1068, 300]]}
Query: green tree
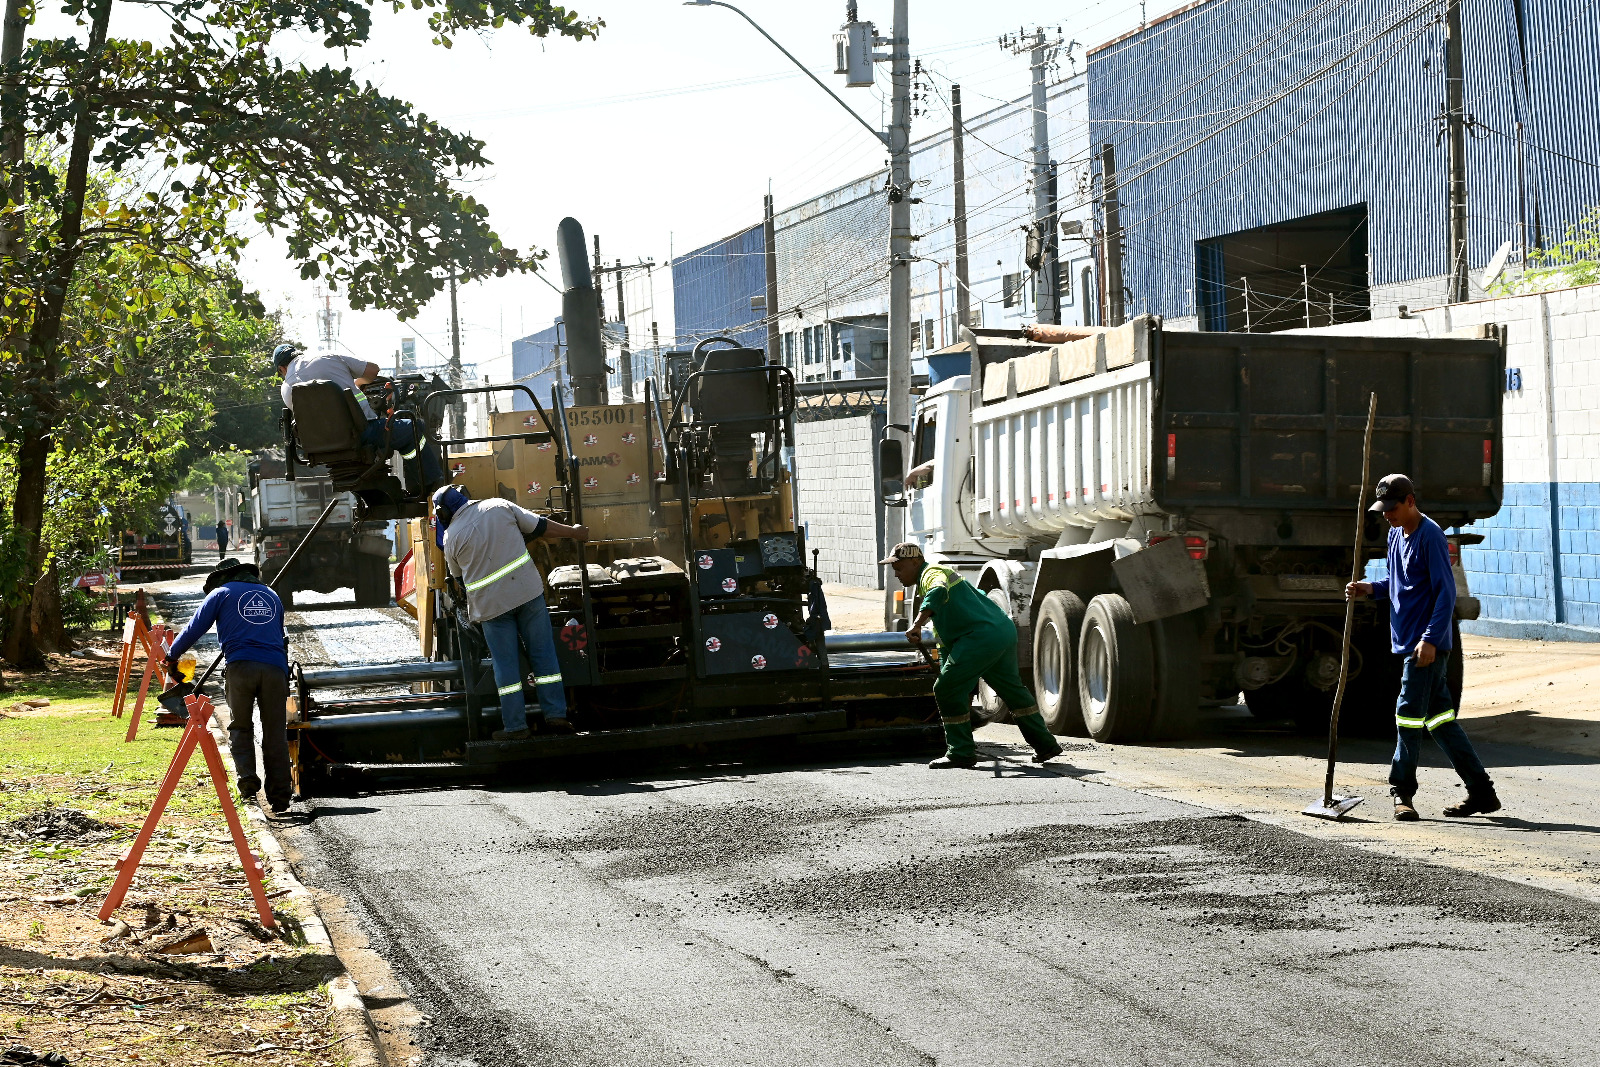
{"points": [[363, 189]]}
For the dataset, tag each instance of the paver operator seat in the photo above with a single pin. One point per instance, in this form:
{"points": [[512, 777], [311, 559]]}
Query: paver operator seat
{"points": [[327, 423], [733, 394]]}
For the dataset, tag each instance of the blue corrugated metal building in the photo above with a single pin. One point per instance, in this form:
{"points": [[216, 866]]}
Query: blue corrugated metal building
{"points": [[721, 289], [1259, 135], [536, 363]]}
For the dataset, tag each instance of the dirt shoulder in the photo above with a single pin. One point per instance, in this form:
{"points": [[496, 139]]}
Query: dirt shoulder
{"points": [[184, 973], [1545, 694]]}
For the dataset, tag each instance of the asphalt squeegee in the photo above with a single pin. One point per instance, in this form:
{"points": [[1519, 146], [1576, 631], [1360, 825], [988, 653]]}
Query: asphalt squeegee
{"points": [[1330, 806]]}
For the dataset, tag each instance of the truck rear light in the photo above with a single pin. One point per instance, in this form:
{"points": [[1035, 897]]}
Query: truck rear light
{"points": [[1197, 545], [1455, 552]]}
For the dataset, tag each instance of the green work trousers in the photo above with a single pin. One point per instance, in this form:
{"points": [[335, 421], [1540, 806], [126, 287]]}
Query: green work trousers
{"points": [[990, 656]]}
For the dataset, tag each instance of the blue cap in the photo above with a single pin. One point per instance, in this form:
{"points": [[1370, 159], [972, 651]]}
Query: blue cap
{"points": [[447, 500]]}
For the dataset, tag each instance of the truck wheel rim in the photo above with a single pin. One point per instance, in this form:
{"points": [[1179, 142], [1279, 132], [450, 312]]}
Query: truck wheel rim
{"points": [[1097, 671], [1050, 663]]}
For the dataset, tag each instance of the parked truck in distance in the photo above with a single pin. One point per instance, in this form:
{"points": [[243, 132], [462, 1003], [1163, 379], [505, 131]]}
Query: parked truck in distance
{"points": [[1167, 516], [343, 554], [161, 550]]}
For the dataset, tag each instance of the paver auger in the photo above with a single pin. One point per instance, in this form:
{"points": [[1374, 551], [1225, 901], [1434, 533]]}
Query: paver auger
{"points": [[691, 616]]}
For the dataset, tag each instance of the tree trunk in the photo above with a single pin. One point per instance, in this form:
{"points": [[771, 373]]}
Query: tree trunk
{"points": [[22, 645], [27, 515]]}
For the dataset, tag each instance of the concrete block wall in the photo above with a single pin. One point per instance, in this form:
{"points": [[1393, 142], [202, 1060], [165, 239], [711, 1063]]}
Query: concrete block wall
{"points": [[1538, 570], [838, 497]]}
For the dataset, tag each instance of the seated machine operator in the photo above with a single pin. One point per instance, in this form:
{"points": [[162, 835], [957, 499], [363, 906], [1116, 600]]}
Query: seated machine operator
{"points": [[349, 372]]}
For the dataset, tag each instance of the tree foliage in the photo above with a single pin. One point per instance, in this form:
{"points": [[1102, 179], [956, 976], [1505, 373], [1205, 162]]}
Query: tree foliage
{"points": [[206, 129], [1570, 262]]}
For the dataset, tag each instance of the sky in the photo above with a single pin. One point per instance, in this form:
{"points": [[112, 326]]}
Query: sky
{"points": [[659, 136]]}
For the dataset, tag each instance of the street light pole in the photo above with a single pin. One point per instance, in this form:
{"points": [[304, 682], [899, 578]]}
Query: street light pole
{"points": [[804, 69]]}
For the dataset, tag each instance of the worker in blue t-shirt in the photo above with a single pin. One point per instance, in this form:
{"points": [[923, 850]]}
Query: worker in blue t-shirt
{"points": [[249, 621], [1421, 591]]}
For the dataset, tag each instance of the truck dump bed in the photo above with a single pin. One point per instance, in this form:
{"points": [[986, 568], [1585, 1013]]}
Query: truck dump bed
{"points": [[1138, 420], [1276, 421]]}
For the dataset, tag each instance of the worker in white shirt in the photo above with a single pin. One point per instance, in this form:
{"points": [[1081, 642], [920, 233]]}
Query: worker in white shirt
{"points": [[351, 372], [484, 546]]}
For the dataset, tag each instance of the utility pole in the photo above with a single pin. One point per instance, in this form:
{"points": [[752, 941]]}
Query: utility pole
{"points": [[899, 383], [1305, 292], [963, 291], [1111, 235], [1041, 53], [1456, 135], [1052, 250], [655, 345], [458, 412], [625, 361], [1244, 280], [769, 231]]}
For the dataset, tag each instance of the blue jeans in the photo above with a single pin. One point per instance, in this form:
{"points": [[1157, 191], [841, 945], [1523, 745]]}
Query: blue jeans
{"points": [[531, 624], [403, 438], [1426, 705]]}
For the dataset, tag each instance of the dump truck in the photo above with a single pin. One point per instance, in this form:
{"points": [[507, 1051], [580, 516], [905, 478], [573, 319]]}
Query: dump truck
{"points": [[343, 554], [1167, 516], [693, 616], [162, 550]]}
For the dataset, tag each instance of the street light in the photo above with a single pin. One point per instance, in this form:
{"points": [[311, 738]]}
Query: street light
{"points": [[882, 137], [855, 59]]}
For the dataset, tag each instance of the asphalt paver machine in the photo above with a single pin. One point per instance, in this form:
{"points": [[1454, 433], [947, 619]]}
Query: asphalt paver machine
{"points": [[692, 616]]}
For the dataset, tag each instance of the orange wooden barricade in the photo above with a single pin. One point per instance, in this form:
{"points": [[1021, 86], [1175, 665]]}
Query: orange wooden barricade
{"points": [[197, 733]]}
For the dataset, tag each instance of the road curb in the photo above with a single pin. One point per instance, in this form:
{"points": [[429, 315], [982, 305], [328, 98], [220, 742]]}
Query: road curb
{"points": [[352, 1023]]}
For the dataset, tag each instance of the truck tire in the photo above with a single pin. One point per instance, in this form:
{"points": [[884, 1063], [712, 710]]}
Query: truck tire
{"points": [[1115, 671], [1177, 672], [1369, 699], [372, 582], [1055, 663], [990, 707]]}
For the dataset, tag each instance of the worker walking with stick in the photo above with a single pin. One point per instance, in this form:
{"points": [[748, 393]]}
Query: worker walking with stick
{"points": [[1422, 598], [484, 547], [977, 641]]}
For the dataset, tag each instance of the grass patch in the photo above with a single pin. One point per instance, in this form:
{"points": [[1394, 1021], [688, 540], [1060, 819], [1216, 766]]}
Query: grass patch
{"points": [[72, 753]]}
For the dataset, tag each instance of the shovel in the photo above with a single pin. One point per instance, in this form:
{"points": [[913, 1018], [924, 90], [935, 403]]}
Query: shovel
{"points": [[1330, 806]]}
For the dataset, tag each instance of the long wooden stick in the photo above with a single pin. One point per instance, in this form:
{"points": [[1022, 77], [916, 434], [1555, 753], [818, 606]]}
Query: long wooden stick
{"points": [[1349, 604]]}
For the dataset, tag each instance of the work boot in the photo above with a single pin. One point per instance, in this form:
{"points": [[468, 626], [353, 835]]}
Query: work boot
{"points": [[947, 763], [1037, 734], [1403, 811], [249, 787], [1475, 804], [557, 726], [512, 735]]}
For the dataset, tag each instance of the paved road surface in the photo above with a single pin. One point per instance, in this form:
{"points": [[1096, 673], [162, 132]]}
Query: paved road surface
{"points": [[1107, 911], [882, 914]]}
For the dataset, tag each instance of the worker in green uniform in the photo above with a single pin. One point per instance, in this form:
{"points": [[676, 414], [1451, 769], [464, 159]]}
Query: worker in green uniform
{"points": [[976, 641]]}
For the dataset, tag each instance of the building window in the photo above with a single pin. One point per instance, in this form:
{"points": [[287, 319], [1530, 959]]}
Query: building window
{"points": [[1091, 310], [788, 350], [927, 334], [880, 352], [1064, 284], [819, 342], [1011, 290], [838, 374], [847, 351]]}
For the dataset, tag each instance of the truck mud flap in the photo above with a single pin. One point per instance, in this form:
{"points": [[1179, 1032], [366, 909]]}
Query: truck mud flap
{"points": [[1161, 581], [483, 753]]}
